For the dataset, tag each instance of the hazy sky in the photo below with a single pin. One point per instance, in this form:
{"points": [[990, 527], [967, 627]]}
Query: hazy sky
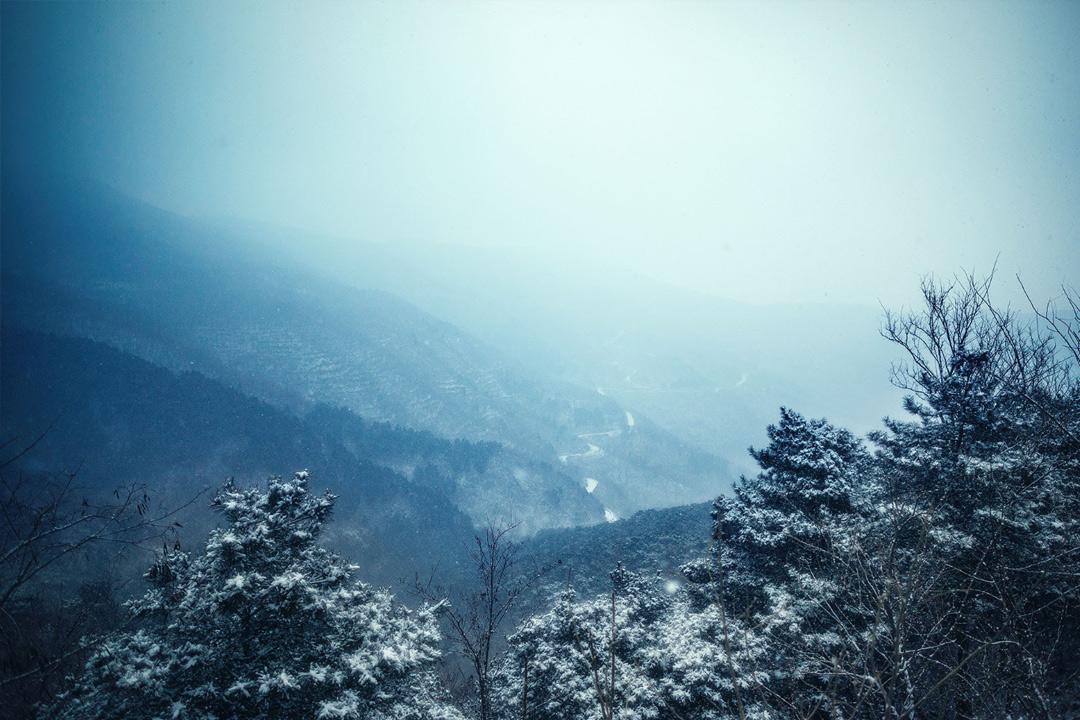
{"points": [[764, 151]]}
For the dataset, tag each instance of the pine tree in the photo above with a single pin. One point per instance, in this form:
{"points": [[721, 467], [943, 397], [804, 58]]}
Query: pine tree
{"points": [[778, 537], [266, 623], [641, 651]]}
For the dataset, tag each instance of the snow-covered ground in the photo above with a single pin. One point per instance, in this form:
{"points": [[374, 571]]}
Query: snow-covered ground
{"points": [[592, 451], [590, 484], [602, 433], [610, 516]]}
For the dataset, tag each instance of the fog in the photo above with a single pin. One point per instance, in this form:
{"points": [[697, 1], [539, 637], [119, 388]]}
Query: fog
{"points": [[768, 153]]}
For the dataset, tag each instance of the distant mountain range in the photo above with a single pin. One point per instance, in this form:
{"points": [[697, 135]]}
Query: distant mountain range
{"points": [[80, 260], [712, 371]]}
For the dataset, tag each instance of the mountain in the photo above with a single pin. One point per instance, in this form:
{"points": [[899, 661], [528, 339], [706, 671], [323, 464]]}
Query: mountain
{"points": [[711, 370], [650, 542], [82, 260], [114, 419]]}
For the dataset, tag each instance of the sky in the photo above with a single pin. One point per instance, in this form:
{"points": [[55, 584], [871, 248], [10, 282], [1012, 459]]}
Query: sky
{"points": [[767, 152]]}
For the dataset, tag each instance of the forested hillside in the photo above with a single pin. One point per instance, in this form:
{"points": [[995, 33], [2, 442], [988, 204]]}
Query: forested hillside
{"points": [[655, 543], [113, 420], [81, 259]]}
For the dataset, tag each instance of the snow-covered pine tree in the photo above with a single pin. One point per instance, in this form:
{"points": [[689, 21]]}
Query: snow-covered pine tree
{"points": [[778, 539], [668, 661], [547, 672], [266, 623]]}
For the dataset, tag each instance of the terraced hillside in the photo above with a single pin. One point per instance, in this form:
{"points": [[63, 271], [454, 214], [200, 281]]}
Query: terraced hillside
{"points": [[114, 420]]}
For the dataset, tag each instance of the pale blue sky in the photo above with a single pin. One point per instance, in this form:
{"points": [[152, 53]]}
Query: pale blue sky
{"points": [[765, 152]]}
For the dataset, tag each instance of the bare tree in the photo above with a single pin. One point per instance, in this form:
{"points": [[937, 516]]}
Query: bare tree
{"points": [[1000, 396], [46, 524], [1031, 360], [476, 616]]}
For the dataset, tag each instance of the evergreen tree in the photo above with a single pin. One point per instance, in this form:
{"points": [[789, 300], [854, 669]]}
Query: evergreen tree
{"points": [[778, 537], [266, 623], [643, 651]]}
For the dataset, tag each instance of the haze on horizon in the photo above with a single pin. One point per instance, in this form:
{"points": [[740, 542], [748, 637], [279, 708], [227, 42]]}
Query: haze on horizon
{"points": [[765, 153]]}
